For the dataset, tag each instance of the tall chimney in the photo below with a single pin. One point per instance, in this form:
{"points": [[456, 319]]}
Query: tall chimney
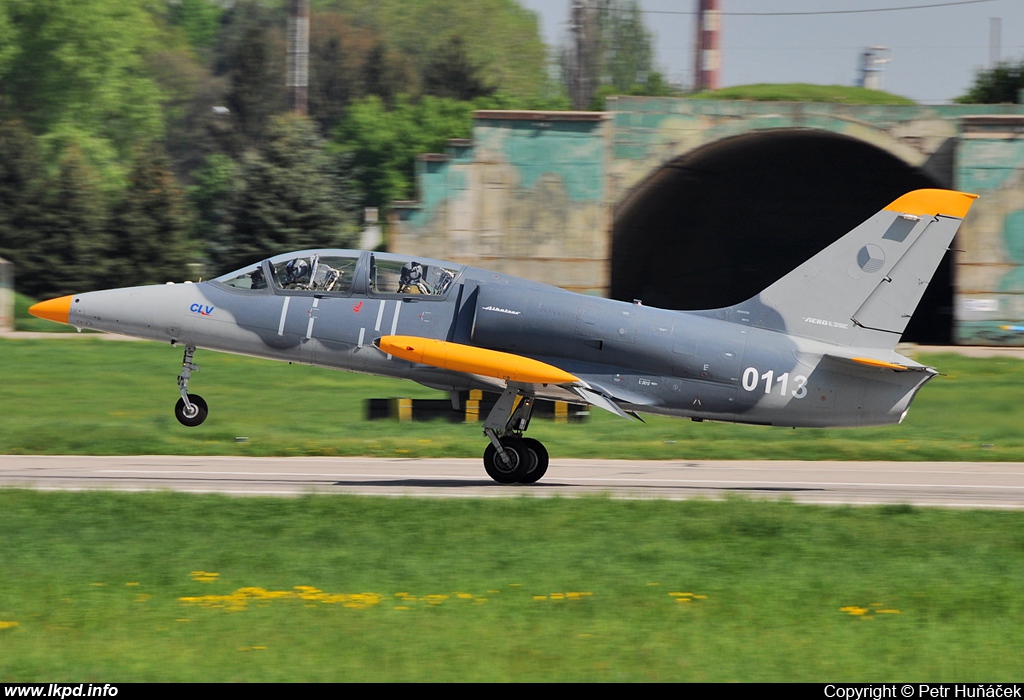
{"points": [[707, 54]]}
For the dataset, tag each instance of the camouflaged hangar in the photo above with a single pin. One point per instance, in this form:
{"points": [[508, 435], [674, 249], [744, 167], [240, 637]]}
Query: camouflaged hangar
{"points": [[689, 204]]}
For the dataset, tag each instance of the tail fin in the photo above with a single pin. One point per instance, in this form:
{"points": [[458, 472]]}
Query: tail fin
{"points": [[863, 289]]}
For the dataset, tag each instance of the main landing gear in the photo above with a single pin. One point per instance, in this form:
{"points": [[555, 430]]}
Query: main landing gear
{"points": [[191, 409], [512, 458]]}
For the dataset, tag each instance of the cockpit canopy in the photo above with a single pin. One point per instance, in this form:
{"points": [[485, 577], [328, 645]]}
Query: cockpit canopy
{"points": [[336, 272]]}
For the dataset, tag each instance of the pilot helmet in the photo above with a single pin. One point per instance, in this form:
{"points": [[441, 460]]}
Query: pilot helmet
{"points": [[296, 269]]}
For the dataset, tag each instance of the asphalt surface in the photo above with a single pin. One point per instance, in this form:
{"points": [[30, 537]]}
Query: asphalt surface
{"points": [[951, 484]]}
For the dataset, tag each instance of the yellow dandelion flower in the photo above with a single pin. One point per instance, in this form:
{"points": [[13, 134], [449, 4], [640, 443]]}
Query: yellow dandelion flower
{"points": [[401, 607], [8, 624], [132, 583], [700, 597], [465, 596], [853, 610], [888, 611], [540, 597]]}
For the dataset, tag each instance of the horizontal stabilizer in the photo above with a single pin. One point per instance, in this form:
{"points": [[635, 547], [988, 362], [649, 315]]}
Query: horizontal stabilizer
{"points": [[457, 357], [880, 364]]}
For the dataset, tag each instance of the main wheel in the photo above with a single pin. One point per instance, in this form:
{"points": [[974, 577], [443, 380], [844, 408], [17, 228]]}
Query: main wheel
{"points": [[539, 461], [520, 461], [193, 417]]}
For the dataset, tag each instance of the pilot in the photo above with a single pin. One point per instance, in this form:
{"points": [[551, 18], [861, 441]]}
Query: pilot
{"points": [[257, 280], [411, 279], [294, 272]]}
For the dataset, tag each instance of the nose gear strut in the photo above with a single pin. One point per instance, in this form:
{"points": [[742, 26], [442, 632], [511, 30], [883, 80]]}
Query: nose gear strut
{"points": [[191, 409]]}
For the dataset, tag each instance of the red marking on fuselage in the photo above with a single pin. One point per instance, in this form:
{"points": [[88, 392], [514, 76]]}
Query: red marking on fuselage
{"points": [[358, 307]]}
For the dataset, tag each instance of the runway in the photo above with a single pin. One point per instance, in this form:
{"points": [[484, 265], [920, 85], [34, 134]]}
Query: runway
{"points": [[952, 484]]}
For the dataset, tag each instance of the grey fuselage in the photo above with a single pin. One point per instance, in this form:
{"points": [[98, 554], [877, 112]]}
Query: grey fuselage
{"points": [[714, 365]]}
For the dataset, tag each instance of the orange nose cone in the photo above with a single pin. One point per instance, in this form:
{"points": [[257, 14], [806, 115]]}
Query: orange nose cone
{"points": [[53, 309]]}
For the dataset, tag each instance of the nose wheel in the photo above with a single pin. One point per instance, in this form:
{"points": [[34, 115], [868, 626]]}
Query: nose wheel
{"points": [[191, 409], [192, 413]]}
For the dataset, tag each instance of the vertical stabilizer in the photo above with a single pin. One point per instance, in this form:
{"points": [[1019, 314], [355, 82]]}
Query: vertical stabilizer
{"points": [[863, 289]]}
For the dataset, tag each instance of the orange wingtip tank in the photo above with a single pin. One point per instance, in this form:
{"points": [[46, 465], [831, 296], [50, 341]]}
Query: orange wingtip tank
{"points": [[932, 202], [466, 358]]}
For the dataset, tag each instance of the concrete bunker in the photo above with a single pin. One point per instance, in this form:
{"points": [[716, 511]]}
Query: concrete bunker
{"points": [[718, 224]]}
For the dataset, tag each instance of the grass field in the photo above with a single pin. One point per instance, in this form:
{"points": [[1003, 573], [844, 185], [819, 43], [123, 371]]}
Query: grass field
{"points": [[805, 92], [76, 395], [102, 587]]}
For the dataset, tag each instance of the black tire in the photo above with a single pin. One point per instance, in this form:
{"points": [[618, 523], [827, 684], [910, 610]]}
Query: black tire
{"points": [[539, 461], [521, 461], [195, 418]]}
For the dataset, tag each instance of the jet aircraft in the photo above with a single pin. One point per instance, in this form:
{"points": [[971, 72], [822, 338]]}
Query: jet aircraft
{"points": [[814, 349]]}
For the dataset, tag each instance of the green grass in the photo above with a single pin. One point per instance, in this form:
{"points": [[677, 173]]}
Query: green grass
{"points": [[92, 396], [804, 92], [482, 590]]}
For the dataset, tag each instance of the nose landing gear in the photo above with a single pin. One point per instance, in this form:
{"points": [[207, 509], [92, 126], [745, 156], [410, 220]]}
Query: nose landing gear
{"points": [[191, 409]]}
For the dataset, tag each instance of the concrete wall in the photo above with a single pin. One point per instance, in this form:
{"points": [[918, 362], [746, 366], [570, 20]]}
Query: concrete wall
{"points": [[525, 197], [6, 296], [990, 247]]}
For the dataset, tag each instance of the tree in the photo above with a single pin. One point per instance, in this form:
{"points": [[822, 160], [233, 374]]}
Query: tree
{"points": [[251, 55], [1002, 84], [198, 19], [385, 74], [22, 194], [74, 72], [71, 252], [290, 194], [613, 55], [338, 57], [451, 74], [150, 225], [628, 54], [384, 142]]}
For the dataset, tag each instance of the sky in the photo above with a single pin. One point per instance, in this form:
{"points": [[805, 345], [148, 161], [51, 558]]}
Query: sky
{"points": [[936, 51]]}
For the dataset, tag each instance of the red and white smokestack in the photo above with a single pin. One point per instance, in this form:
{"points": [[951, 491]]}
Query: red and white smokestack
{"points": [[707, 54]]}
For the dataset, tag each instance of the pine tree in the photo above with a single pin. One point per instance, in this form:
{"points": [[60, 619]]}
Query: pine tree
{"points": [[22, 196], [291, 194], [150, 225], [452, 74], [72, 251]]}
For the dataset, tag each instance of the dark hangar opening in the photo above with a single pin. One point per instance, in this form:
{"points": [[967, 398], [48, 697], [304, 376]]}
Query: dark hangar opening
{"points": [[717, 225]]}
